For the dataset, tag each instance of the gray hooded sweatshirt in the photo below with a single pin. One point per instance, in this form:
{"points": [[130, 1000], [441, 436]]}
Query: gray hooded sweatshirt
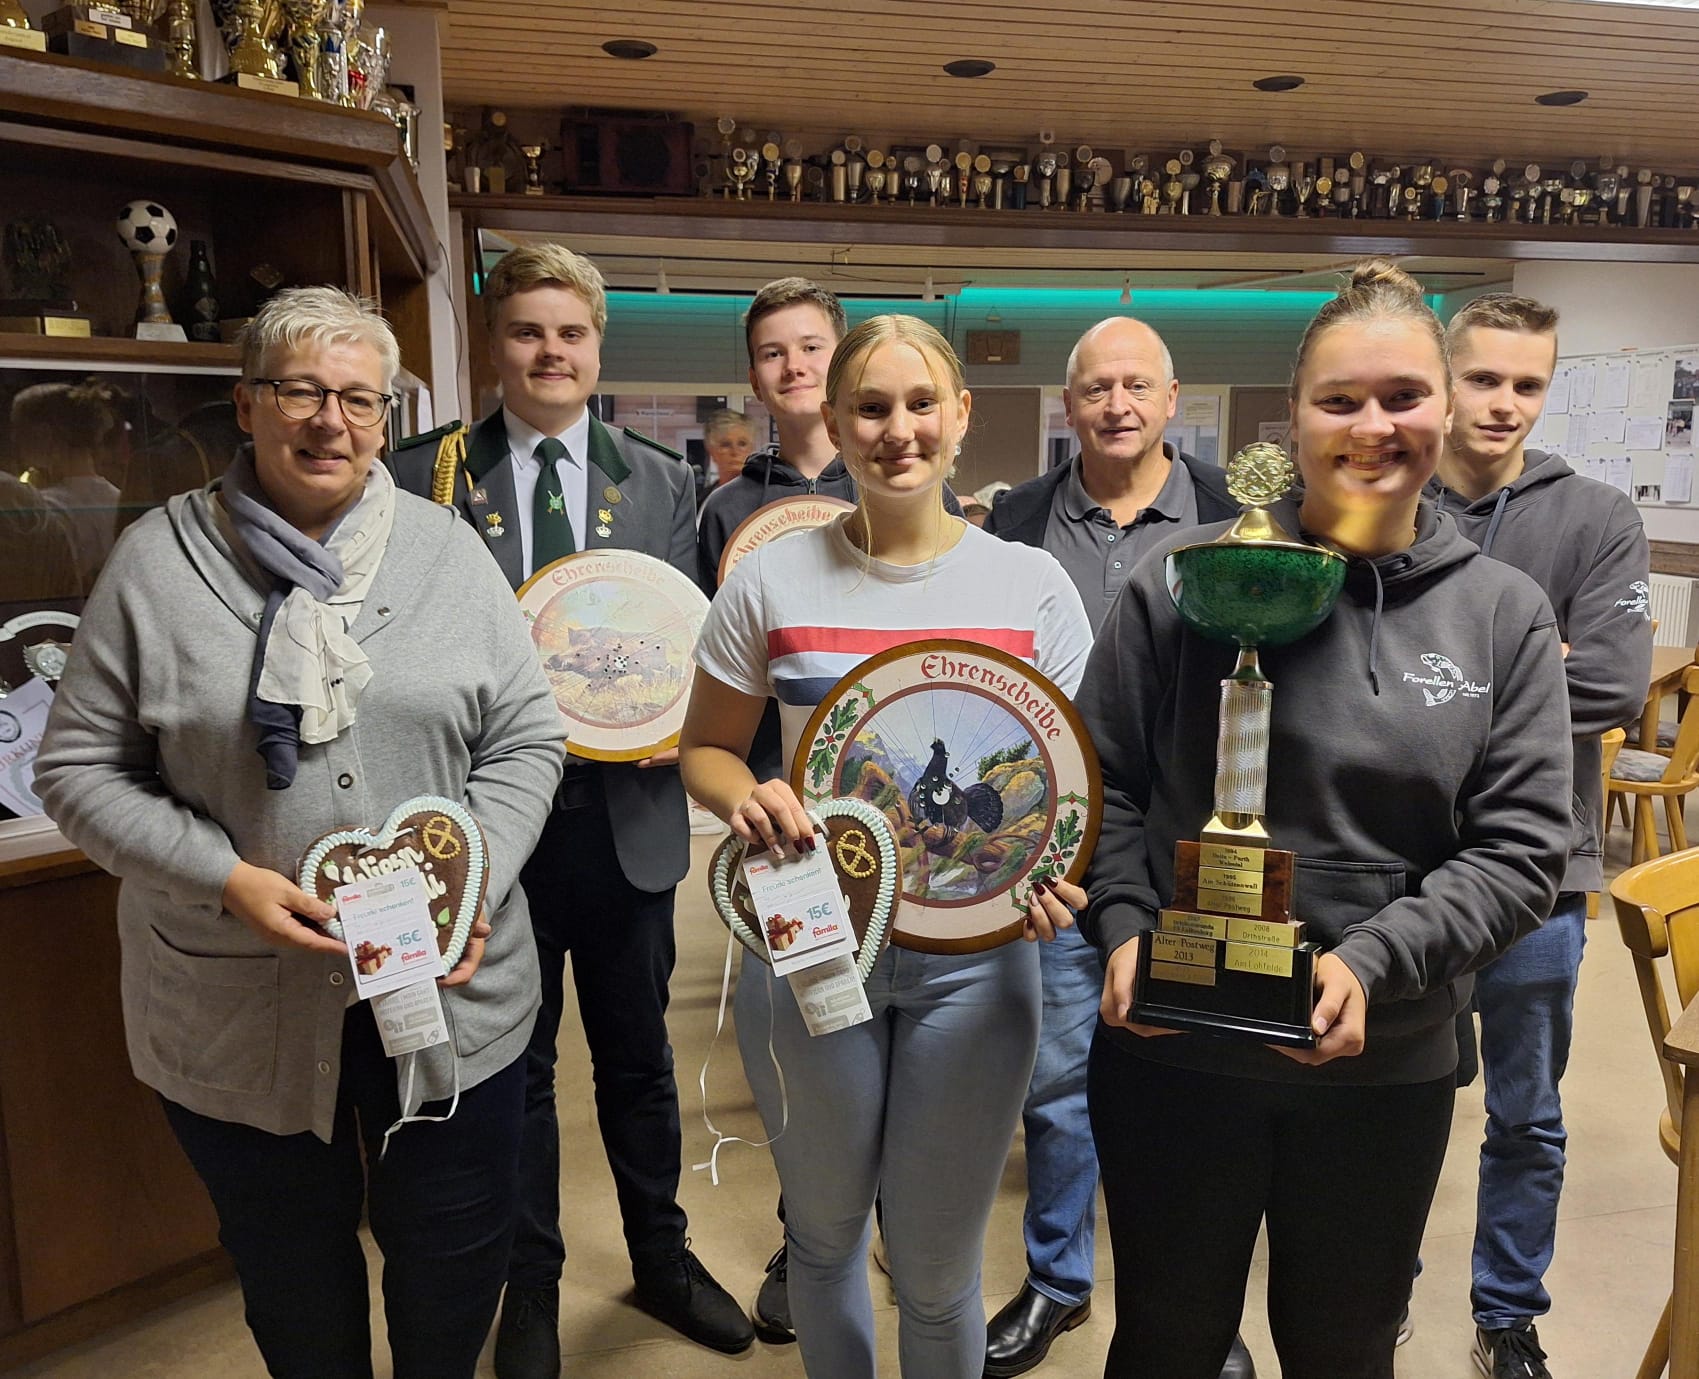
{"points": [[1583, 543], [1411, 770]]}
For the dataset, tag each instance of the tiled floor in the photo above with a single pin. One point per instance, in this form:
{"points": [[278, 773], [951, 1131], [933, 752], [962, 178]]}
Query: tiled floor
{"points": [[1609, 1280]]}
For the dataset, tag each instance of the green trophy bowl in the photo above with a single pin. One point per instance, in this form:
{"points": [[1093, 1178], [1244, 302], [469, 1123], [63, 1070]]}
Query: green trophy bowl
{"points": [[1254, 593]]}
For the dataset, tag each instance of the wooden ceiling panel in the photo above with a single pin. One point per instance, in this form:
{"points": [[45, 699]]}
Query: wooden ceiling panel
{"points": [[1447, 80]]}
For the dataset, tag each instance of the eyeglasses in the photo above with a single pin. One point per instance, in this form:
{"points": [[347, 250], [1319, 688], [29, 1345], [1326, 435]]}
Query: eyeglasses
{"points": [[298, 400]]}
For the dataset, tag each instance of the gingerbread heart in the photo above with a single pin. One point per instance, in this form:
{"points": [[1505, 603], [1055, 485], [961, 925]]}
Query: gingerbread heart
{"points": [[864, 854], [433, 834]]}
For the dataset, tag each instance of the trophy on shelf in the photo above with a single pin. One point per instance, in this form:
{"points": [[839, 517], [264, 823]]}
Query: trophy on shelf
{"points": [[1085, 176], [1227, 956], [1217, 168], [340, 27], [15, 30], [251, 30], [369, 57], [1116, 190], [742, 171], [183, 39], [38, 275], [149, 232], [1046, 168], [120, 31], [304, 18], [533, 167]]}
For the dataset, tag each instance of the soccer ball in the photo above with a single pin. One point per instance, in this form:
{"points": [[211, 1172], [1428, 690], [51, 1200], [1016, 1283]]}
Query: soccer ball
{"points": [[146, 227]]}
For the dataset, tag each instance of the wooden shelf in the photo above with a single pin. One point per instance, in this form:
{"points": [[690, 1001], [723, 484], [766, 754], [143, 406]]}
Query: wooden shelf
{"points": [[161, 354], [62, 93], [951, 227]]}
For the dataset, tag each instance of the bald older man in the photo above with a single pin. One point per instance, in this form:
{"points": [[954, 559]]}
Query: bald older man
{"points": [[1123, 491]]}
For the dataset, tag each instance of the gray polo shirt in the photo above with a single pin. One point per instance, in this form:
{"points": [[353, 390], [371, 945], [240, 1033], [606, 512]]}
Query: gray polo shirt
{"points": [[1096, 551]]}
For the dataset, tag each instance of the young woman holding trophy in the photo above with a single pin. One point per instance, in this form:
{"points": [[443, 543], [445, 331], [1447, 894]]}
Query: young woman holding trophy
{"points": [[1414, 766], [918, 1103]]}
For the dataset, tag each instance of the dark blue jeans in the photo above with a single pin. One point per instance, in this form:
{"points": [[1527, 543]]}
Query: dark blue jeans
{"points": [[440, 1203], [1526, 998], [1060, 1224]]}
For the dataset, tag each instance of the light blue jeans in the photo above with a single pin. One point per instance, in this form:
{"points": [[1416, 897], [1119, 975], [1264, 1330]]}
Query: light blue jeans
{"points": [[1060, 1224], [917, 1106], [1526, 998]]}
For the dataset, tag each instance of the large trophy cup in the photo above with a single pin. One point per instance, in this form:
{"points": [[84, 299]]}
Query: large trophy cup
{"points": [[1227, 956]]}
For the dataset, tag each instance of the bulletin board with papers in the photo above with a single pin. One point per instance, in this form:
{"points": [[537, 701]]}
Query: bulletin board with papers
{"points": [[1626, 419]]}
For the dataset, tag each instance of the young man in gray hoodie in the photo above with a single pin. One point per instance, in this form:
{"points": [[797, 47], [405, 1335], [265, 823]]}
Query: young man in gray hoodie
{"points": [[1583, 543], [791, 328]]}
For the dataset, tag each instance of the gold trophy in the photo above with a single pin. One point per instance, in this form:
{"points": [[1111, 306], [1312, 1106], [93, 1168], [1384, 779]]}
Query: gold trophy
{"points": [[183, 39], [15, 30], [251, 29], [1217, 168], [304, 19], [1227, 956], [533, 170]]}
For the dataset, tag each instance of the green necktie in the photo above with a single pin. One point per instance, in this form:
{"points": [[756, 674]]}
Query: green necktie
{"points": [[551, 527]]}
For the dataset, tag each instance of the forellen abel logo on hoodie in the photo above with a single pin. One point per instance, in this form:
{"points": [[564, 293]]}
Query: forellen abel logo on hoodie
{"points": [[1447, 681]]}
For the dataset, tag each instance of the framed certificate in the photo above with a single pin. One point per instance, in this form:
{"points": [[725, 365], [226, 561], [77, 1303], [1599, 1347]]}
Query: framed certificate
{"points": [[786, 517], [984, 770], [615, 631]]}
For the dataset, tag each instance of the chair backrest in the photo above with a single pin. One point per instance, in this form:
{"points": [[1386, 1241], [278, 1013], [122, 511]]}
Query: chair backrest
{"points": [[1684, 756], [1609, 745], [1657, 910]]}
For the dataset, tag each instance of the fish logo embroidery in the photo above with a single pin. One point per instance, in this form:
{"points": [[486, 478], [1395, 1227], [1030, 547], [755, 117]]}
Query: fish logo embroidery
{"points": [[1446, 682], [1639, 599]]}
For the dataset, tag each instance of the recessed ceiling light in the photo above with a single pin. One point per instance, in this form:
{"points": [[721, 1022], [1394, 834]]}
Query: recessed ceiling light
{"points": [[1285, 82], [631, 49], [1561, 98], [970, 67]]}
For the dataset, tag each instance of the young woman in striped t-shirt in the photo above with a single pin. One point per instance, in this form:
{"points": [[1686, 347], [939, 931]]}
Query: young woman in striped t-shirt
{"points": [[918, 1105]]}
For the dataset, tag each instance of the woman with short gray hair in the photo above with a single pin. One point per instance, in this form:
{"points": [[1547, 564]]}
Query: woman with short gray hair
{"points": [[295, 649]]}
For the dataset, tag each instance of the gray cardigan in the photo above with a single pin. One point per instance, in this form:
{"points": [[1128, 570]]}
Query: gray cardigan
{"points": [[149, 766]]}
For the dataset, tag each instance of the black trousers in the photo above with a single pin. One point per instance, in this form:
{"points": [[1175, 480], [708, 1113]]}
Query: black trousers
{"points": [[1192, 1163], [440, 1202], [621, 942]]}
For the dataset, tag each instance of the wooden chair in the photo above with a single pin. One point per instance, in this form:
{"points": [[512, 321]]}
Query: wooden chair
{"points": [[1648, 776], [1609, 745], [1657, 911]]}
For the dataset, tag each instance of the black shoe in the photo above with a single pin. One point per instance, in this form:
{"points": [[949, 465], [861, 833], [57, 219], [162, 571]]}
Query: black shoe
{"points": [[528, 1337], [1511, 1353], [1239, 1363], [1020, 1335], [680, 1292], [772, 1311]]}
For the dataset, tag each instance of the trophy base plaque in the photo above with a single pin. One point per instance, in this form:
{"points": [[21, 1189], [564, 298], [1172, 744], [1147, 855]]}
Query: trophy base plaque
{"points": [[275, 86], [98, 42], [1228, 958], [65, 324], [32, 39], [160, 330]]}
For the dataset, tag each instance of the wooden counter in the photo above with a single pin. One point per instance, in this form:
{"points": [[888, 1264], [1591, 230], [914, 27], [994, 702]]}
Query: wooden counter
{"points": [[101, 1216]]}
